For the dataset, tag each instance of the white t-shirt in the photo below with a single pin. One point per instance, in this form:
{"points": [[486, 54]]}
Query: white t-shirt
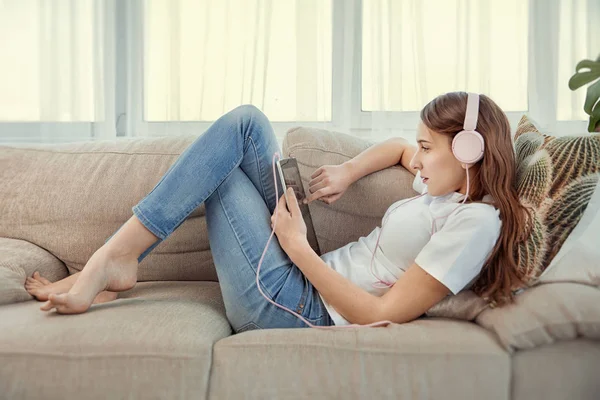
{"points": [[454, 254]]}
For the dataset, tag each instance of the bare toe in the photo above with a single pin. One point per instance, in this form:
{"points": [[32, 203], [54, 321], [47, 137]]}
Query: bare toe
{"points": [[54, 301], [36, 276], [39, 292], [33, 283], [47, 306], [44, 280], [66, 303]]}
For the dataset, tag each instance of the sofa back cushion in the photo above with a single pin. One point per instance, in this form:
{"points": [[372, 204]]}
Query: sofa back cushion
{"points": [[70, 198]]}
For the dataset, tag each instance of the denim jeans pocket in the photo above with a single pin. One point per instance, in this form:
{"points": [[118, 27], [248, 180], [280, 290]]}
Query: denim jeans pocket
{"points": [[250, 326], [309, 314]]}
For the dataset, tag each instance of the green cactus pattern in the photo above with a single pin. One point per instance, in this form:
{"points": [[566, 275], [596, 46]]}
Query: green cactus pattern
{"points": [[534, 177], [572, 157], [566, 210], [531, 253], [556, 177], [526, 145]]}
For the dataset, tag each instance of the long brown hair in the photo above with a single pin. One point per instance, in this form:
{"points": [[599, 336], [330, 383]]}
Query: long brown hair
{"points": [[494, 174]]}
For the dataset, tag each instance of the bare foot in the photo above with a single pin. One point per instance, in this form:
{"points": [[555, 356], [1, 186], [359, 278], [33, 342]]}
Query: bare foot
{"points": [[105, 297], [40, 288], [103, 271]]}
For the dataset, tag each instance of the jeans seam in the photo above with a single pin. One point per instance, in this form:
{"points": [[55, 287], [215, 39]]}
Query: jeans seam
{"points": [[319, 318], [302, 297], [264, 287], [260, 177]]}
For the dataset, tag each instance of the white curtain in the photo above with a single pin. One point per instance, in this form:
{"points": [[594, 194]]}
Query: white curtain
{"points": [[56, 75], [192, 61], [520, 53], [579, 39], [100, 69]]}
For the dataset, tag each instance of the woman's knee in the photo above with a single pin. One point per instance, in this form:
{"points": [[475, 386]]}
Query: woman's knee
{"points": [[250, 120], [245, 110], [250, 113]]}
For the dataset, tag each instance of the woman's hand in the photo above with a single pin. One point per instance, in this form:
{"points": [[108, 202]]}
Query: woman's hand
{"points": [[290, 227], [329, 183]]}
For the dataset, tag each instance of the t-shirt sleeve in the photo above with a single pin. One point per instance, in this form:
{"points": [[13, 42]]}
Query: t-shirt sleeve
{"points": [[455, 254]]}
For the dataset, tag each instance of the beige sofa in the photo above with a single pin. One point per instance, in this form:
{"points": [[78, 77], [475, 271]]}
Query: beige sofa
{"points": [[168, 337]]}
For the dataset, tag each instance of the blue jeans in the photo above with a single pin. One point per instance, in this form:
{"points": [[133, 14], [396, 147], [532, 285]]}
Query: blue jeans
{"points": [[229, 167]]}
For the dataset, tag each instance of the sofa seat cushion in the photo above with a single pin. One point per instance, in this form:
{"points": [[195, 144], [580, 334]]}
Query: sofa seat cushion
{"points": [[154, 341], [427, 358], [563, 370]]}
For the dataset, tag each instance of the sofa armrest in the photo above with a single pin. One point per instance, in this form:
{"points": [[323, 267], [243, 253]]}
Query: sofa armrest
{"points": [[19, 259]]}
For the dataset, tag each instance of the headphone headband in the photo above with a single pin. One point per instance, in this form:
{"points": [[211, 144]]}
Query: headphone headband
{"points": [[472, 112]]}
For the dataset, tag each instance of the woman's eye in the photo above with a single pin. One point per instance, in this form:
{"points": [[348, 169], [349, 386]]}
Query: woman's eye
{"points": [[425, 148]]}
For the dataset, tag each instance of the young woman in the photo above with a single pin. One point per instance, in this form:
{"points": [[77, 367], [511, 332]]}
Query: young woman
{"points": [[229, 167]]}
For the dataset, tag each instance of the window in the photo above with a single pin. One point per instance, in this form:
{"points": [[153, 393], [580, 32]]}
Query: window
{"points": [[203, 58], [49, 62], [97, 69], [415, 50]]}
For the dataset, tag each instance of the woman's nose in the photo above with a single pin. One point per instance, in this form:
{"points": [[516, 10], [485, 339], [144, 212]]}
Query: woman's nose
{"points": [[413, 162]]}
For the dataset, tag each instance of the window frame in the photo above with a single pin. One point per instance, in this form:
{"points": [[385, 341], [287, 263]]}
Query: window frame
{"points": [[543, 15]]}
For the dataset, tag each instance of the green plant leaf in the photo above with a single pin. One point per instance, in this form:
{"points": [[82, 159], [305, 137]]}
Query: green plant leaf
{"points": [[594, 118], [592, 65], [593, 94], [580, 79]]}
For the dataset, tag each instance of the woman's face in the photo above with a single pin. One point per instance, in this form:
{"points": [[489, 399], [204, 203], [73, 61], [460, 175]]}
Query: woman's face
{"points": [[434, 158]]}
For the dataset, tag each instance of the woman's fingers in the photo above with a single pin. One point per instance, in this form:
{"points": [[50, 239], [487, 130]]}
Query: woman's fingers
{"points": [[316, 181], [316, 195], [318, 185], [317, 172]]}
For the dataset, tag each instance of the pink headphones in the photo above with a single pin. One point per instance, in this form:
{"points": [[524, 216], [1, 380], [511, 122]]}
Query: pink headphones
{"points": [[467, 146]]}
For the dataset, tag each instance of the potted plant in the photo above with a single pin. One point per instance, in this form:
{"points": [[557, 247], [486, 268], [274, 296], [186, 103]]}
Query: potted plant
{"points": [[592, 99]]}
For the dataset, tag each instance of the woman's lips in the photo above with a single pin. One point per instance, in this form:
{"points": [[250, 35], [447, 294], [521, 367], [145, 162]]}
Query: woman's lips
{"points": [[425, 180]]}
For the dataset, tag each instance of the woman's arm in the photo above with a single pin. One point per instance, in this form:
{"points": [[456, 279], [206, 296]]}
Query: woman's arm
{"points": [[352, 302], [379, 156], [413, 294]]}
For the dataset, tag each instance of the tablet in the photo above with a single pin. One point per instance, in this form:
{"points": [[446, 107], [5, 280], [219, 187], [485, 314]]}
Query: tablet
{"points": [[289, 175]]}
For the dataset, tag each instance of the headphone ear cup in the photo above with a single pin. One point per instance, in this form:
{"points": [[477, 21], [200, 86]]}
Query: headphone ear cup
{"points": [[468, 147]]}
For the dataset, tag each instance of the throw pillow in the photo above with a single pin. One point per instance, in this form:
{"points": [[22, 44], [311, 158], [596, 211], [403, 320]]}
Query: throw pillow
{"points": [[12, 281], [544, 315], [562, 300], [20, 259], [556, 177]]}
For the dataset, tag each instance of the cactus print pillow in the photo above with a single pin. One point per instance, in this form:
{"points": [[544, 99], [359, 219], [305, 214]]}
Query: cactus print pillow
{"points": [[556, 177]]}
